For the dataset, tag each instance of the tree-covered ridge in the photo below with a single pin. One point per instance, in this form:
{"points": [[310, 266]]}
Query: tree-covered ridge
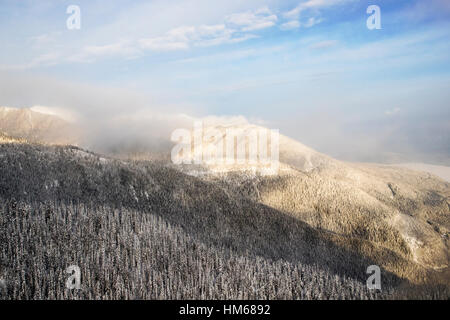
{"points": [[145, 230]]}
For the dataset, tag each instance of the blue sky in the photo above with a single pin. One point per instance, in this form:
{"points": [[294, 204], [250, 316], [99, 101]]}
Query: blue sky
{"points": [[310, 68]]}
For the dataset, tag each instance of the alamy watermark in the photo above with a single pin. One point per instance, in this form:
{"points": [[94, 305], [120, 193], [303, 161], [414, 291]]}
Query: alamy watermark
{"points": [[374, 281], [74, 280], [73, 22], [224, 148], [374, 21]]}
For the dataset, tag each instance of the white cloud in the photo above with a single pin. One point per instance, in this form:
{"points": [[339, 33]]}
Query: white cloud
{"points": [[130, 34], [236, 25], [230, 23], [312, 5], [294, 24], [182, 38], [188, 36], [312, 21], [212, 35], [252, 20], [307, 13], [212, 30]]}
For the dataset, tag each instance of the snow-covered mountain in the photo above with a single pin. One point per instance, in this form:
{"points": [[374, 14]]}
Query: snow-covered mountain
{"points": [[377, 208], [36, 126]]}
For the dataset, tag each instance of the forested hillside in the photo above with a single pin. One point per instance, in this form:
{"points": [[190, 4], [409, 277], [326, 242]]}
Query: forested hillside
{"points": [[145, 230]]}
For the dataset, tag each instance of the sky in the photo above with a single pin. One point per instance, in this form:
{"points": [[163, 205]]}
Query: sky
{"points": [[310, 68]]}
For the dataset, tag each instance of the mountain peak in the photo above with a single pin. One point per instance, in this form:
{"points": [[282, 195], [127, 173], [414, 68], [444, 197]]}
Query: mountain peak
{"points": [[35, 126]]}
